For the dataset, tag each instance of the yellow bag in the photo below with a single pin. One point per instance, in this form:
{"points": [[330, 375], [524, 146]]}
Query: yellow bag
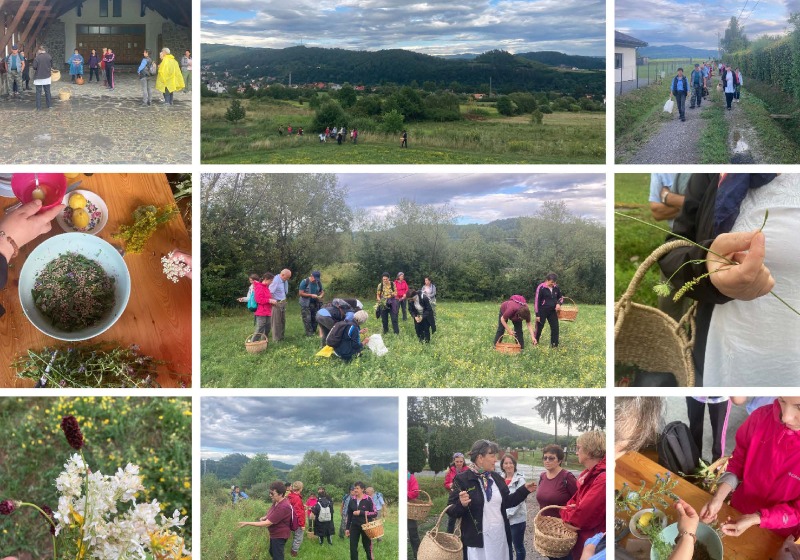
{"points": [[326, 352]]}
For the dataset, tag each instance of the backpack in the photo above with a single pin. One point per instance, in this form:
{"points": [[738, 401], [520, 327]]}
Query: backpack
{"points": [[152, 68], [338, 333], [252, 305], [324, 513], [677, 450], [294, 522]]}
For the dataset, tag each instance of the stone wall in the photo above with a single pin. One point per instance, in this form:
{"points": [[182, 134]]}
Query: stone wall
{"points": [[54, 41], [176, 38]]}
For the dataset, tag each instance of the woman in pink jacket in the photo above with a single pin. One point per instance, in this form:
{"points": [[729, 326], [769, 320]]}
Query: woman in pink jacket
{"points": [[764, 472], [458, 466], [264, 300]]}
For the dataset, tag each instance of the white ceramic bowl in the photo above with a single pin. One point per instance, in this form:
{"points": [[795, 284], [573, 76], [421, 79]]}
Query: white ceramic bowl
{"points": [[705, 535], [91, 247], [658, 517], [98, 213]]}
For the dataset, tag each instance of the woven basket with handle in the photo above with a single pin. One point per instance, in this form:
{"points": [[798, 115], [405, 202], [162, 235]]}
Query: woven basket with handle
{"points": [[373, 529], [419, 508], [647, 337], [438, 545], [569, 311], [256, 343], [551, 537], [508, 347], [55, 75]]}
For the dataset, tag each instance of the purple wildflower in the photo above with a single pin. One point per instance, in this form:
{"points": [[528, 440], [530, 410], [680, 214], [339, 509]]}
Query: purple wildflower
{"points": [[7, 507], [72, 431]]}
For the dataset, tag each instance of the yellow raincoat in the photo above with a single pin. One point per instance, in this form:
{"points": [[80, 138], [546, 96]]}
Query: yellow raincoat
{"points": [[169, 75]]}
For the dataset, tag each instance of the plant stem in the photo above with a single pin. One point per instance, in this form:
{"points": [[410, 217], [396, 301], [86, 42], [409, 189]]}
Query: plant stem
{"points": [[49, 520]]}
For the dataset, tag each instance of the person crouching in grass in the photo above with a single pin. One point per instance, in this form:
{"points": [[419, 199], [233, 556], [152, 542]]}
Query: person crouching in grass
{"points": [[514, 310]]}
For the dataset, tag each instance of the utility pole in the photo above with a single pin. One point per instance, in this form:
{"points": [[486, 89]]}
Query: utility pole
{"points": [[719, 46], [490, 86], [290, 79]]}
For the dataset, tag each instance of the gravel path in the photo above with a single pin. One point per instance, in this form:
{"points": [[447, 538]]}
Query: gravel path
{"points": [[677, 141]]}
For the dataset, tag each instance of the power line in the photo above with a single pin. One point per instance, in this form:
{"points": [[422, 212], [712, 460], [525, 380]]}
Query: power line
{"points": [[751, 12], [742, 10]]}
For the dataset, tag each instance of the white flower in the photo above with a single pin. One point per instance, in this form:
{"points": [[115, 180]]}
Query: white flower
{"points": [[175, 267]]}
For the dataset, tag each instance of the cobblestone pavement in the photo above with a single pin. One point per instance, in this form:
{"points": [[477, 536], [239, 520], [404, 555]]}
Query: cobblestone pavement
{"points": [[97, 125]]}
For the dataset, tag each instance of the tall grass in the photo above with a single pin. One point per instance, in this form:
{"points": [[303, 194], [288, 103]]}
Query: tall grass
{"points": [[562, 137], [460, 354], [222, 539], [639, 116]]}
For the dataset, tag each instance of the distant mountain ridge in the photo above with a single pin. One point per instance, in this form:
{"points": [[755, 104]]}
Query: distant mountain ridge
{"points": [[676, 51], [306, 65], [555, 58]]}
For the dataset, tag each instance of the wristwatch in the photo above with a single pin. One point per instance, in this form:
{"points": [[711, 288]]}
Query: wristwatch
{"points": [[12, 242], [664, 194]]}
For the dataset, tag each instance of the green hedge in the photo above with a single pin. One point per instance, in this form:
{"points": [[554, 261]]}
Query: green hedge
{"points": [[777, 63]]}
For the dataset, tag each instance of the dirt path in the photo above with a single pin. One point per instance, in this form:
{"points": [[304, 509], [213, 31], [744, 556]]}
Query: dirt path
{"points": [[677, 141]]}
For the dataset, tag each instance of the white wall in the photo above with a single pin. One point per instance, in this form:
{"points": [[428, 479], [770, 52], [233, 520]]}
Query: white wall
{"points": [[130, 16], [628, 70]]}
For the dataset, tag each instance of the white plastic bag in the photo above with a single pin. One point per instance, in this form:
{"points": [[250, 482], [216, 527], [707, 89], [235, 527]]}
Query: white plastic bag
{"points": [[377, 346], [669, 105]]}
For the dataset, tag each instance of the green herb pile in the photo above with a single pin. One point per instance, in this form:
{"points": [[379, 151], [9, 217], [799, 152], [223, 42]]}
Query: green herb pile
{"points": [[74, 292], [146, 220]]}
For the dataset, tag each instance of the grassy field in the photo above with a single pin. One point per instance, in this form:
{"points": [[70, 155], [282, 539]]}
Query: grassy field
{"points": [[561, 138], [460, 354], [639, 116], [154, 433], [222, 539], [633, 241]]}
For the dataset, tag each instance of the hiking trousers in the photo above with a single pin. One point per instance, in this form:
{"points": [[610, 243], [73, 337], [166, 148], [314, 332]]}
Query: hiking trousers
{"points": [[551, 316], [357, 533], [145, 90], [697, 96]]}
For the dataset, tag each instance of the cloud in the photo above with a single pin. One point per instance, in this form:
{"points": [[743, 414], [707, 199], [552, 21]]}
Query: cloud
{"points": [[520, 411], [479, 197], [432, 27], [285, 428]]}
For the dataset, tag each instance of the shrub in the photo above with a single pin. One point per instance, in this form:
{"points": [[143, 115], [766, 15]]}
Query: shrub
{"points": [[235, 111], [545, 109], [505, 106], [329, 113], [392, 122], [536, 117]]}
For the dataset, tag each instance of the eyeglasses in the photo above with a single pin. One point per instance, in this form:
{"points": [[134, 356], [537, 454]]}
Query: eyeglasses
{"points": [[549, 458]]}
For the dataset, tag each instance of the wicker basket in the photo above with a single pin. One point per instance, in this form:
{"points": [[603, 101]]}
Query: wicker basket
{"points": [[551, 537], [568, 312], [440, 545], [508, 347], [64, 94], [55, 75], [256, 343], [418, 509], [650, 339], [373, 529]]}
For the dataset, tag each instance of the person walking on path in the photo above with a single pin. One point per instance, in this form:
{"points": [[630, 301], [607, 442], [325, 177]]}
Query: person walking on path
{"points": [[169, 78], [144, 77], [279, 290], [108, 59], [679, 90], [729, 85], [42, 66], [697, 87], [739, 85]]}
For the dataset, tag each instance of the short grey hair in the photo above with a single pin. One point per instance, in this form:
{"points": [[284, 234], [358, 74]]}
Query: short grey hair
{"points": [[483, 447], [637, 421], [165, 50]]}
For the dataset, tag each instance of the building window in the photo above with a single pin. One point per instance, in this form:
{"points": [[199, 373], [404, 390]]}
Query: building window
{"points": [[117, 8], [103, 8], [617, 61]]}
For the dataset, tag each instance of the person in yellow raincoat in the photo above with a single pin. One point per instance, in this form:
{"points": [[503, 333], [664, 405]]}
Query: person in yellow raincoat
{"points": [[169, 78]]}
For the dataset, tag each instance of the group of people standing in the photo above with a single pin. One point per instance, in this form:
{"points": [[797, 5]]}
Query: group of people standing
{"points": [[396, 296], [170, 77], [697, 85], [340, 135], [488, 497], [288, 517]]}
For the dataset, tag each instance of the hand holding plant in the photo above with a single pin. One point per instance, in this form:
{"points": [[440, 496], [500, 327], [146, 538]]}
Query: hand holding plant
{"points": [[749, 278]]}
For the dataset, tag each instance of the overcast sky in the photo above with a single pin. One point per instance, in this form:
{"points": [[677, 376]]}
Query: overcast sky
{"points": [[285, 428], [695, 24], [435, 27], [479, 197], [520, 411]]}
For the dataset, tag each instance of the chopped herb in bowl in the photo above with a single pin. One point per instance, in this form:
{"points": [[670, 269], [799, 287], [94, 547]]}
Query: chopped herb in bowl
{"points": [[73, 291]]}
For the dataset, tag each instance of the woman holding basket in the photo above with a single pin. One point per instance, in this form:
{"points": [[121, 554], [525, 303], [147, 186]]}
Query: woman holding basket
{"points": [[480, 498], [556, 485], [359, 511]]}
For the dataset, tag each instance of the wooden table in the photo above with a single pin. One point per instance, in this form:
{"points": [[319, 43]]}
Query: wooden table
{"points": [[159, 314], [755, 544]]}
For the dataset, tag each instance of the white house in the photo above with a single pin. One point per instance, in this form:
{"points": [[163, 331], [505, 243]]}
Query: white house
{"points": [[625, 56]]}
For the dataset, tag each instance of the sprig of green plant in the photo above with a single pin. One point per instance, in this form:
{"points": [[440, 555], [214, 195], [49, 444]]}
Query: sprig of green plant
{"points": [[628, 500], [472, 517], [654, 532], [665, 288], [146, 220]]}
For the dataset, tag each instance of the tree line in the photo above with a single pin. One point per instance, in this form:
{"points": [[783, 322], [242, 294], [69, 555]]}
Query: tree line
{"points": [[253, 223], [508, 72]]}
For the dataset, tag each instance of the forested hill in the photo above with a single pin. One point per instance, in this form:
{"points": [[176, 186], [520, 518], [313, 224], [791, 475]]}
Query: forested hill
{"points": [[555, 58], [508, 72], [506, 429]]}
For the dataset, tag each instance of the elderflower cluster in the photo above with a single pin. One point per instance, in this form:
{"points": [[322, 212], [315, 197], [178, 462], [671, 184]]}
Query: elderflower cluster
{"points": [[175, 267], [107, 519]]}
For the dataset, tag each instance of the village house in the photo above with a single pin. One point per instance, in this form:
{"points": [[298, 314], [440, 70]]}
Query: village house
{"points": [[625, 56]]}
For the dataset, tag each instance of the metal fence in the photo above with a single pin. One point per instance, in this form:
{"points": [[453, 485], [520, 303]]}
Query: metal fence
{"points": [[654, 72]]}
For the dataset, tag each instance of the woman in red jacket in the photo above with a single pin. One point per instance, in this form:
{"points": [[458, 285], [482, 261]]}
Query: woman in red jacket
{"points": [[586, 510], [264, 300], [296, 499], [458, 465]]}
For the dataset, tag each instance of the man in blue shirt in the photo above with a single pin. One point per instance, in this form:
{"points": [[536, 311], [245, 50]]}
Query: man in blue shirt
{"points": [[697, 87], [680, 88], [144, 77], [16, 64], [311, 294], [279, 289]]}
